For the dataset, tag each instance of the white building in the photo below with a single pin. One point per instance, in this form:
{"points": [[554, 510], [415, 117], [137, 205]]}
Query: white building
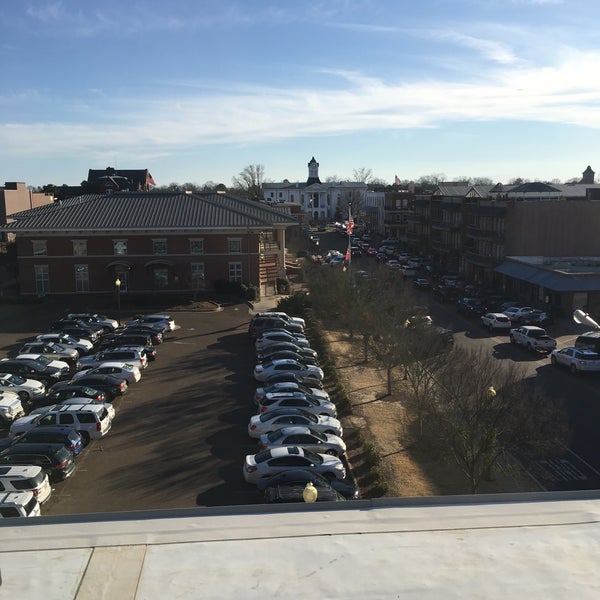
{"points": [[321, 201]]}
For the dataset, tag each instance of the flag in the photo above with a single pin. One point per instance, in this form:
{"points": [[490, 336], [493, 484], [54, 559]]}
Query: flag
{"points": [[350, 226], [396, 180], [149, 179]]}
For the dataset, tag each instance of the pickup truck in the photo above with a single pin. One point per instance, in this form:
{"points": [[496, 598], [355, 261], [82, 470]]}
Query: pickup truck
{"points": [[534, 338]]}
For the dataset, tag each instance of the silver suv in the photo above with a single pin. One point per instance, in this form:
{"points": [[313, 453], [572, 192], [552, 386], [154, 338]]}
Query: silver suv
{"points": [[91, 421]]}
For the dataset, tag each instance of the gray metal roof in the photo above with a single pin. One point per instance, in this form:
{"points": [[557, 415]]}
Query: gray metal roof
{"points": [[554, 280], [149, 211]]}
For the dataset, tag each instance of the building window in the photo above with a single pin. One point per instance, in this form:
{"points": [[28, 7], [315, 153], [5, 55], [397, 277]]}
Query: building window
{"points": [[79, 247], [82, 278], [235, 271], [291, 197], [120, 247], [161, 278], [159, 247], [234, 245], [196, 246], [40, 248], [197, 273], [42, 280]]}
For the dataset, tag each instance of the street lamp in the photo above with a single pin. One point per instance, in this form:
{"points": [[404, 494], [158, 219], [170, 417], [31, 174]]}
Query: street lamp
{"points": [[118, 286]]}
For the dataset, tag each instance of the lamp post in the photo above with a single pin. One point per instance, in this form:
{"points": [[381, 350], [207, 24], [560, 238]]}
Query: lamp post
{"points": [[118, 286]]}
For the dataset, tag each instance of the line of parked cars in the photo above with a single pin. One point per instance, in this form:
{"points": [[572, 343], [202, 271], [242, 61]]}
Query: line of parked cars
{"points": [[65, 380], [299, 436]]}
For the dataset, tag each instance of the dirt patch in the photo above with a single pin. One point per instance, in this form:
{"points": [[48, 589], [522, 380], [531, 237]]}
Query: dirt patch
{"points": [[407, 468]]}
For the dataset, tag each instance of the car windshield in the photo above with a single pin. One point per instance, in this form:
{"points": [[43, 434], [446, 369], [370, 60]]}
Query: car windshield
{"points": [[537, 333], [274, 435], [56, 347], [15, 379], [313, 457], [43, 360]]}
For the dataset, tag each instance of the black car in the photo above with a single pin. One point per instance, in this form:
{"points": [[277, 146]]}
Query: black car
{"points": [[32, 369], [265, 323], [155, 333], [472, 307], [78, 331], [65, 390], [288, 486], [111, 386], [305, 359], [52, 434], [55, 459]]}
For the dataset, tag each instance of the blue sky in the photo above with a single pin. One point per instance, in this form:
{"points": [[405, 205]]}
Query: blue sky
{"points": [[195, 90]]}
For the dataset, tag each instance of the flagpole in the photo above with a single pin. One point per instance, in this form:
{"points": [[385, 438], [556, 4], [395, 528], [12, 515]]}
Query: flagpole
{"points": [[350, 228]]}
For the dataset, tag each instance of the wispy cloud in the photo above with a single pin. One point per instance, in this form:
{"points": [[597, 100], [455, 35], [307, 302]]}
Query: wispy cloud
{"points": [[563, 93]]}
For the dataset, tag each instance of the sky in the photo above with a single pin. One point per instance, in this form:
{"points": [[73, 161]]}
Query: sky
{"points": [[196, 90]]}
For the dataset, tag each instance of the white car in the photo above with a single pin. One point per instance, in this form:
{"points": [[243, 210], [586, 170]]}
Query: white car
{"points": [[576, 359], [276, 336], [270, 462], [270, 367], [306, 438], [110, 409], [132, 356], [286, 417], [495, 321], [298, 400], [46, 361], [26, 389], [516, 312], [126, 371], [165, 321], [81, 345], [289, 386]]}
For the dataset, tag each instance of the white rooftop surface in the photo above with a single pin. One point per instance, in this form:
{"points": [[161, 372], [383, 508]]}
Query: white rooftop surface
{"points": [[477, 547]]}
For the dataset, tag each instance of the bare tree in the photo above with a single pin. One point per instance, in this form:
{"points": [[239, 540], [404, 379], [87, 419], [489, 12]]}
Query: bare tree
{"points": [[250, 181], [482, 409], [433, 179], [362, 174]]}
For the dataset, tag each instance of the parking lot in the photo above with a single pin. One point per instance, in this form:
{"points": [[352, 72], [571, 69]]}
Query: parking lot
{"points": [[179, 436]]}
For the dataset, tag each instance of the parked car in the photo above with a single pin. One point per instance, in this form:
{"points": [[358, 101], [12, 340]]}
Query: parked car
{"points": [[81, 345], [268, 338], [282, 315], [577, 360], [154, 333], [90, 420], [166, 322], [103, 321], [289, 386], [280, 354], [123, 370], [66, 390], [79, 331], [266, 323], [18, 504], [421, 283], [132, 356], [286, 417], [45, 361], [298, 400], [277, 488], [26, 389], [55, 459], [267, 368], [536, 317], [309, 352], [296, 377], [534, 338], [11, 407], [109, 384], [119, 340], [516, 313], [305, 437], [77, 328], [51, 434], [31, 369], [26, 478], [496, 321], [589, 340], [80, 401], [472, 307], [270, 462], [52, 351]]}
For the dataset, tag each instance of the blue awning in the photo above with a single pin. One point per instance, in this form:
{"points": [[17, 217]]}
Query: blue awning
{"points": [[551, 280]]}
